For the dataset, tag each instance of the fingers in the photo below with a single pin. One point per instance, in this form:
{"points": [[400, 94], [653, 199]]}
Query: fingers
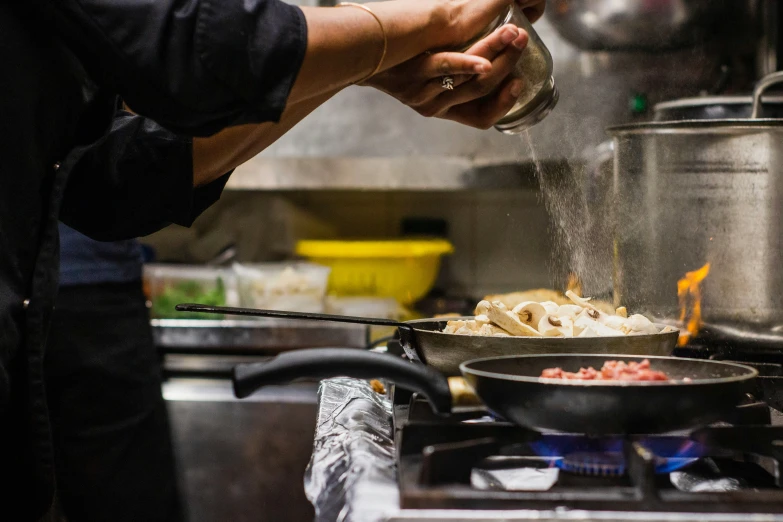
{"points": [[482, 85], [494, 44], [490, 48], [442, 64], [475, 60], [462, 66], [485, 112], [435, 101], [432, 68]]}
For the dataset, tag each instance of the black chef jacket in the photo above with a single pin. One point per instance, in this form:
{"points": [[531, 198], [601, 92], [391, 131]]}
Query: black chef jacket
{"points": [[194, 66]]}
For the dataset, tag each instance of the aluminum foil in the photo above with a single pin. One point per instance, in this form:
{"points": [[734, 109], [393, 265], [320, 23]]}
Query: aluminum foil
{"points": [[352, 474]]}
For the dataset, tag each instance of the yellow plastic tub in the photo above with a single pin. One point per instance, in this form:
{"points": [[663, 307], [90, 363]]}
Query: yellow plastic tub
{"points": [[403, 269]]}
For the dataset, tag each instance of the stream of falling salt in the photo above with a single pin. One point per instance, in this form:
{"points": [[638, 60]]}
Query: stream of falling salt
{"points": [[533, 155], [581, 237]]}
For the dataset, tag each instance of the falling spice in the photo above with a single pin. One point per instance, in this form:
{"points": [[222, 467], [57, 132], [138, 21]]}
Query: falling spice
{"points": [[688, 291]]}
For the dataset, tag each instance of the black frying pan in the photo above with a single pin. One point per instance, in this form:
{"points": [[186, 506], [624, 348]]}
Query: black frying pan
{"points": [[424, 339], [511, 388]]}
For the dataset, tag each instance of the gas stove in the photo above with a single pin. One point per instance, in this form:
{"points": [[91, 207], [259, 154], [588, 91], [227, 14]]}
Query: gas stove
{"points": [[472, 461]]}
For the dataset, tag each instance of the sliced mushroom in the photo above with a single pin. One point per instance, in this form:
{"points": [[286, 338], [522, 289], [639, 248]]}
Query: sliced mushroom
{"points": [[530, 312], [529, 318], [584, 322], [463, 327], [639, 323], [615, 322], [593, 313], [587, 332], [581, 301], [553, 326], [483, 307], [605, 331], [568, 326], [474, 325], [509, 321], [569, 310], [587, 320], [490, 330], [549, 326], [453, 326]]}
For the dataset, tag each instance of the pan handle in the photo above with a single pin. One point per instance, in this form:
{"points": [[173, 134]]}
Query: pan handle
{"points": [[283, 314], [321, 363]]}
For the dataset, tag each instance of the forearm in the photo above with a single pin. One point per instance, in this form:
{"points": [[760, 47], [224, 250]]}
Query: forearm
{"points": [[345, 45], [226, 150]]}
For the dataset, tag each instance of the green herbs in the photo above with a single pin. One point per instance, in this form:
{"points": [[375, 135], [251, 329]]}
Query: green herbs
{"points": [[188, 292]]}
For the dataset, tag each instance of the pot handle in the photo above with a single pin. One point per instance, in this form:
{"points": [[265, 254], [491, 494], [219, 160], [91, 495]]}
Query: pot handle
{"points": [[761, 86], [322, 363]]}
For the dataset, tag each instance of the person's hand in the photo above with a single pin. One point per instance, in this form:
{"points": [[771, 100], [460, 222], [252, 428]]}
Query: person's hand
{"points": [[466, 18], [483, 90], [437, 24]]}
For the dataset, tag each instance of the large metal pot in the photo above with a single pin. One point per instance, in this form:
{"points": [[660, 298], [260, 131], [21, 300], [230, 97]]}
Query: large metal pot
{"points": [[691, 192]]}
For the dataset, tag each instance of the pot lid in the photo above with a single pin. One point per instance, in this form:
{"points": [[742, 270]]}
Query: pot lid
{"points": [[725, 126]]}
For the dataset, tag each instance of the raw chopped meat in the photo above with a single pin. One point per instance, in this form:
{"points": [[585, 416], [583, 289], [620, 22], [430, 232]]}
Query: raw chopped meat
{"points": [[610, 371]]}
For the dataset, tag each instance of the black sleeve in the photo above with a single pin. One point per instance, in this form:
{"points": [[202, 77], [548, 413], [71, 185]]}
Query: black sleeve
{"points": [[135, 180], [195, 66]]}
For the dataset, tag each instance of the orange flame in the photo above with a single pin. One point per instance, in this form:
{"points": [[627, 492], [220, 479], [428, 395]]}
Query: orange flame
{"points": [[574, 284], [688, 286]]}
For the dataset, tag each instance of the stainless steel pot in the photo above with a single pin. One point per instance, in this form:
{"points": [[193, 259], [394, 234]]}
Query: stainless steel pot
{"points": [[691, 192]]}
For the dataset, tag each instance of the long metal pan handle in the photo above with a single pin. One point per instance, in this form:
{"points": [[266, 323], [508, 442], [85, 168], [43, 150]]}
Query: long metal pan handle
{"points": [[282, 314], [322, 363]]}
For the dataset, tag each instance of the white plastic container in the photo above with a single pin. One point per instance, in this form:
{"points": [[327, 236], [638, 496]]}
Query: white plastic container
{"points": [[381, 307], [296, 287]]}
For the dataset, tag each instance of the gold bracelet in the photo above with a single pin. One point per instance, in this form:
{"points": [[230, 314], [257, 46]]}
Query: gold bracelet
{"points": [[383, 32]]}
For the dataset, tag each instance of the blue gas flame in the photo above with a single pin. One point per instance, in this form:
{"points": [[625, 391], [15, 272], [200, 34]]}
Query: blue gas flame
{"points": [[603, 456]]}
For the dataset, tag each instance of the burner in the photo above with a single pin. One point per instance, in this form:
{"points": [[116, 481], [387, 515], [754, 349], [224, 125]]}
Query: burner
{"points": [[608, 464], [604, 456]]}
